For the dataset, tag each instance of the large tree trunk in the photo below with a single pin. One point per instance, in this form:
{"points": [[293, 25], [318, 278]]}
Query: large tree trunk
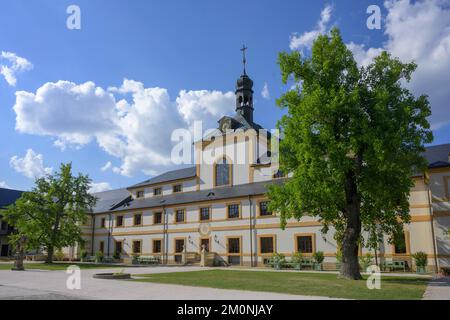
{"points": [[350, 263], [50, 251], [20, 255]]}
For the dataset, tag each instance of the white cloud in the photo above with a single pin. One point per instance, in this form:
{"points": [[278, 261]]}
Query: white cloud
{"points": [[31, 165], [106, 167], [3, 184], [265, 91], [419, 32], [16, 65], [136, 130], [306, 39], [99, 187]]}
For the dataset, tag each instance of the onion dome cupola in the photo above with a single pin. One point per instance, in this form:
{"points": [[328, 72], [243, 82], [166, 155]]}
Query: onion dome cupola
{"points": [[244, 93]]}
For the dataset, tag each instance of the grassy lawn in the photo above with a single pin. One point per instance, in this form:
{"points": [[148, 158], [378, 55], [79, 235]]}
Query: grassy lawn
{"points": [[58, 266], [313, 284]]}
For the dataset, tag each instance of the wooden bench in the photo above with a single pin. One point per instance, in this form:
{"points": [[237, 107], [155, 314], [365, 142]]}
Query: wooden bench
{"points": [[148, 260], [394, 265]]}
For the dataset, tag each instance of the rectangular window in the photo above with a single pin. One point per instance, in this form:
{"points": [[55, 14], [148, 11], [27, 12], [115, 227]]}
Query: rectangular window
{"points": [[119, 221], [400, 244], [118, 247], [205, 214], [4, 225], [179, 215], [103, 223], [157, 191], [140, 194], [138, 219], [304, 244], [179, 245], [157, 218], [102, 247], [263, 210], [266, 244], [234, 245], [233, 211], [177, 188], [157, 245], [136, 246]]}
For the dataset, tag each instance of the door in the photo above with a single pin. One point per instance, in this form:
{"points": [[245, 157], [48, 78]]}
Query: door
{"points": [[4, 250], [204, 242], [179, 246]]}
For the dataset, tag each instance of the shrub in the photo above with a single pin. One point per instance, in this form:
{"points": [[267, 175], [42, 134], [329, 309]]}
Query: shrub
{"points": [[297, 257], [339, 257], [83, 254], [420, 258], [318, 257], [366, 260], [59, 255], [116, 255], [99, 256], [278, 259]]}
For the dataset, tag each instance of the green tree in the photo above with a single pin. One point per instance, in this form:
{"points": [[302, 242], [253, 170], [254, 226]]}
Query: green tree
{"points": [[51, 214], [353, 138]]}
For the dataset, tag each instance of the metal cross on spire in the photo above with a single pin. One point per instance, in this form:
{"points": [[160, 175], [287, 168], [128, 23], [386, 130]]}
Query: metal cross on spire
{"points": [[244, 60]]}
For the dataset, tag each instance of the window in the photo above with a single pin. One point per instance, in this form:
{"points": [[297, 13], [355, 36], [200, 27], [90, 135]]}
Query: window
{"points": [[304, 244], [157, 191], [179, 215], [177, 188], [233, 211], [138, 219], [136, 246], [157, 245], [234, 245], [119, 221], [263, 210], [205, 214], [400, 243], [222, 173], [4, 225], [140, 194], [157, 218], [204, 242], [266, 244], [103, 223], [102, 247], [118, 247]]}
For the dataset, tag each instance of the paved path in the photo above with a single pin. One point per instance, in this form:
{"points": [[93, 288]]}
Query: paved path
{"points": [[43, 284], [438, 289]]}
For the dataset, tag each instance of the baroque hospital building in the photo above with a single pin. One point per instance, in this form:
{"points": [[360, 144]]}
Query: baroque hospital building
{"points": [[222, 207]]}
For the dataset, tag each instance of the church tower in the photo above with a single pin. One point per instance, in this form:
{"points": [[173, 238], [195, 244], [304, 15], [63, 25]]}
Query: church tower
{"points": [[244, 93]]}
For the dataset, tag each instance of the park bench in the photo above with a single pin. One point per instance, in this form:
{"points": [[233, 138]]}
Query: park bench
{"points": [[291, 264], [394, 265], [89, 259], [108, 260], [148, 260]]}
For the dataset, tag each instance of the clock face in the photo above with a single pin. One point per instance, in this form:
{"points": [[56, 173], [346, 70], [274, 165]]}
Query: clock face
{"points": [[226, 125]]}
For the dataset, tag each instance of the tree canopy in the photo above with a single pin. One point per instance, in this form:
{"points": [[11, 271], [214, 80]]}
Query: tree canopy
{"points": [[352, 138], [50, 215]]}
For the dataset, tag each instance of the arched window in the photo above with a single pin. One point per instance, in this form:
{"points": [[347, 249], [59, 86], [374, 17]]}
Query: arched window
{"points": [[222, 172]]}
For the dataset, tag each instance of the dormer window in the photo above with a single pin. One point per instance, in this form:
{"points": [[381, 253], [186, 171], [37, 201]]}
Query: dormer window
{"points": [[177, 188], [222, 173], [157, 191]]}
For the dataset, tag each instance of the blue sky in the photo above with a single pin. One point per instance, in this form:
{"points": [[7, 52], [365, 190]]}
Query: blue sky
{"points": [[172, 45]]}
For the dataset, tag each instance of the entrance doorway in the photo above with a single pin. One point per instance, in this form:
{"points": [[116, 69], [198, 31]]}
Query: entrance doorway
{"points": [[4, 251]]}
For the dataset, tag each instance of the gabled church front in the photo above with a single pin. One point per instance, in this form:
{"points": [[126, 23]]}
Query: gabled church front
{"points": [[221, 206]]}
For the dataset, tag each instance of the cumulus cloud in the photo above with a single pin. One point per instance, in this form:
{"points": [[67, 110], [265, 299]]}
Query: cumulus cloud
{"points": [[130, 122], [3, 184], [31, 165], [306, 39], [265, 91], [99, 187], [419, 31], [15, 64]]}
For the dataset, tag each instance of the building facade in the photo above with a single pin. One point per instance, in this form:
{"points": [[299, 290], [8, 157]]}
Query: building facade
{"points": [[7, 197], [220, 204]]}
